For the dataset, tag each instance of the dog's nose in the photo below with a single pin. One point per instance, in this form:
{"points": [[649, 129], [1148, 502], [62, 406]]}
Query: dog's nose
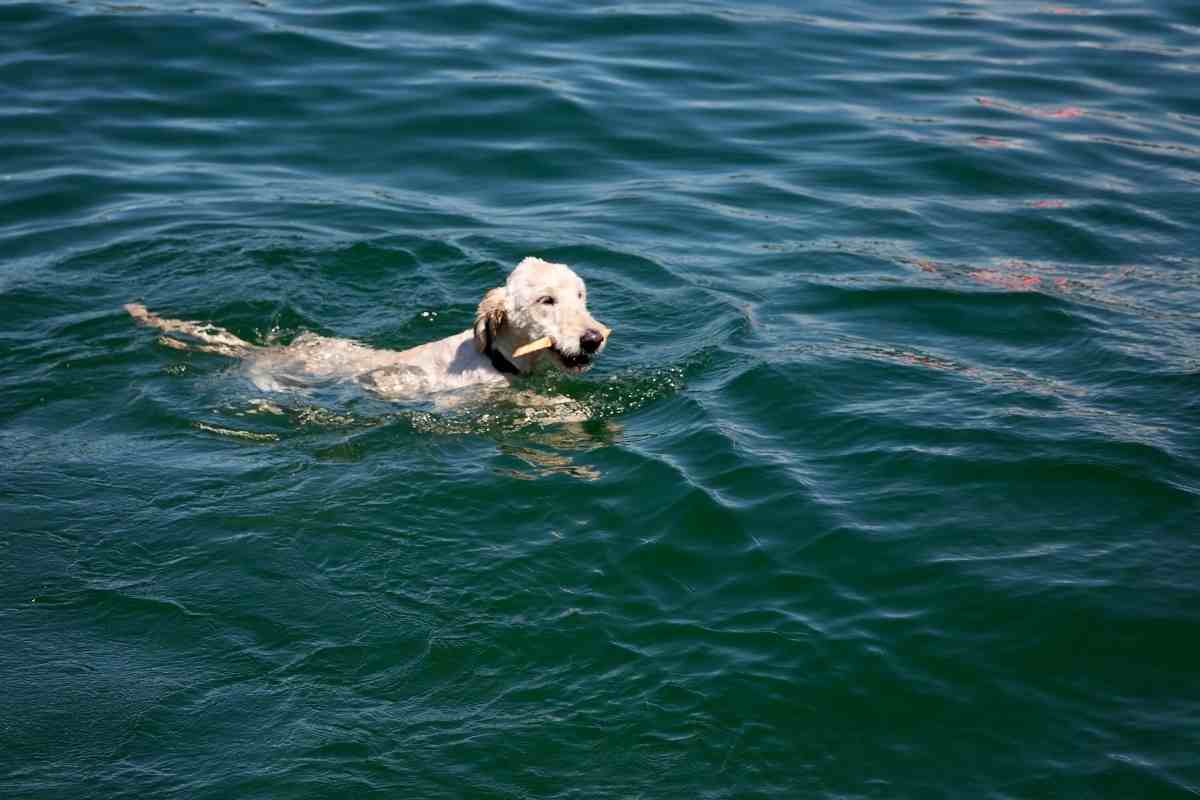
{"points": [[591, 340]]}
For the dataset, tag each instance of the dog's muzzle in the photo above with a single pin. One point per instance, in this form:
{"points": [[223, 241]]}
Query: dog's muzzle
{"points": [[576, 361]]}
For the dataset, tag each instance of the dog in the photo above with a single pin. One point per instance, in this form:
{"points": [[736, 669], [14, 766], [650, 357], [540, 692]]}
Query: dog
{"points": [[537, 319]]}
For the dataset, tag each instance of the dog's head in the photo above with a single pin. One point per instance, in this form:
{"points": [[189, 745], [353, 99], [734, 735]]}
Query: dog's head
{"points": [[540, 316]]}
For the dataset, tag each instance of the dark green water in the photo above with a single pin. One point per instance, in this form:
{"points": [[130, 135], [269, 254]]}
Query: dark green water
{"points": [[890, 488]]}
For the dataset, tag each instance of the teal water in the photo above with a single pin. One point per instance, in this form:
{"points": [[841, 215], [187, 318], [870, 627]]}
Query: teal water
{"points": [[890, 486]]}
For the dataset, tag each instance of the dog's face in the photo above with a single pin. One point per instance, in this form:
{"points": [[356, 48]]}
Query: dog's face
{"points": [[541, 301]]}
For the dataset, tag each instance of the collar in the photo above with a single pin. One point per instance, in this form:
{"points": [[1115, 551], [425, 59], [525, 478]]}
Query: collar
{"points": [[501, 363]]}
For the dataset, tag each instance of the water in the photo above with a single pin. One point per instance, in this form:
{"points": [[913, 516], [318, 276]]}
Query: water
{"points": [[889, 485]]}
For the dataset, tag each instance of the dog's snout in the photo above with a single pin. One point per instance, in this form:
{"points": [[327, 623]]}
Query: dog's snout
{"points": [[591, 340]]}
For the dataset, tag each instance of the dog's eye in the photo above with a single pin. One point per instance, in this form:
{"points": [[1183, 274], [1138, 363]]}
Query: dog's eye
{"points": [[547, 300]]}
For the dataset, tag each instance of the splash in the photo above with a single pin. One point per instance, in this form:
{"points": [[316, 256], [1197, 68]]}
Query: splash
{"points": [[546, 402]]}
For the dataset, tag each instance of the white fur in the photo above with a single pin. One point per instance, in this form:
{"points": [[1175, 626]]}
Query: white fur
{"points": [[509, 316]]}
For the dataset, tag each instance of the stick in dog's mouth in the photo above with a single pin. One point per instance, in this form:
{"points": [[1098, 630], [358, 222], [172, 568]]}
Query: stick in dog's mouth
{"points": [[533, 347]]}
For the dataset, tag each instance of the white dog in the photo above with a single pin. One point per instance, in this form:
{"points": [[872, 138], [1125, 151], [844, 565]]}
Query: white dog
{"points": [[539, 317]]}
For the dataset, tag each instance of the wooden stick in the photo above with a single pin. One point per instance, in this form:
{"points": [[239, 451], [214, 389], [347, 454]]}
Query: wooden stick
{"points": [[533, 347]]}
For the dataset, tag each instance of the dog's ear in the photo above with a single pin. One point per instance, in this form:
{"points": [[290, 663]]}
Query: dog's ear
{"points": [[490, 317]]}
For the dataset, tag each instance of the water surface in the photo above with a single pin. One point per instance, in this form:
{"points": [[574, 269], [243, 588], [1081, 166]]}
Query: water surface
{"points": [[889, 485]]}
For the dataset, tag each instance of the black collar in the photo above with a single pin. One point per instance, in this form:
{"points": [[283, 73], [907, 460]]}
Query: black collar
{"points": [[501, 363]]}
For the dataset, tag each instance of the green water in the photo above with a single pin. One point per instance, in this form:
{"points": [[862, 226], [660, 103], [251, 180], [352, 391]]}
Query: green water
{"points": [[889, 487]]}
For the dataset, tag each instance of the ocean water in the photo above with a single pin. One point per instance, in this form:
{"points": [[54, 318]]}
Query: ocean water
{"points": [[889, 486]]}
